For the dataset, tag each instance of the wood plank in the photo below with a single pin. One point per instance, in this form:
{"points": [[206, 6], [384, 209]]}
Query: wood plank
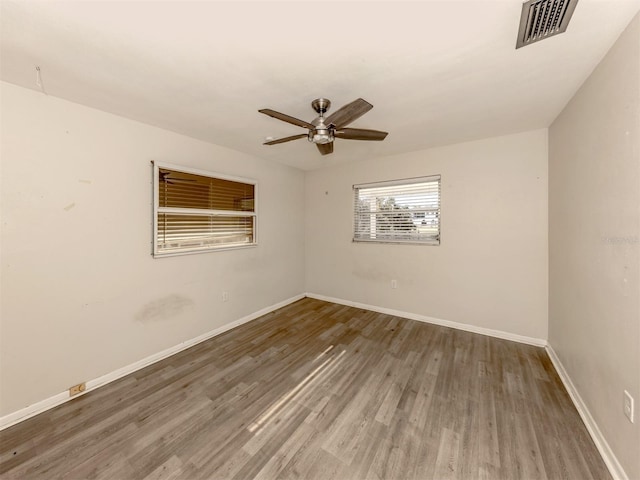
{"points": [[317, 390]]}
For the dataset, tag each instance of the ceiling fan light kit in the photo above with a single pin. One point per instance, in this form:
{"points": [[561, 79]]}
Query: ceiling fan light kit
{"points": [[323, 131], [321, 136]]}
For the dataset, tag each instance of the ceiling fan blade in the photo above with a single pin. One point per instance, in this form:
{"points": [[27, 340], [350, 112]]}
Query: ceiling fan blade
{"points": [[360, 134], [347, 114], [325, 148], [285, 139], [287, 118]]}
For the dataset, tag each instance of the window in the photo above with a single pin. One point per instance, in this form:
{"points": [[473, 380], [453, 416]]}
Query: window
{"points": [[197, 211], [398, 211]]}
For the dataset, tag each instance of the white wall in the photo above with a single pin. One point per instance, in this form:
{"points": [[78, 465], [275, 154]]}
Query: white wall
{"points": [[594, 243], [490, 270], [81, 295]]}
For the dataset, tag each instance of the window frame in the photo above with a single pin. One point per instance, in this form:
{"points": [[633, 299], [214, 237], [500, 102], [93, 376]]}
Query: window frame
{"points": [[397, 183], [156, 166]]}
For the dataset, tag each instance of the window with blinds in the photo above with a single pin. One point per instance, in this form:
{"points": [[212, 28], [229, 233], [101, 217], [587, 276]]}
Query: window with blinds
{"points": [[398, 211], [197, 211]]}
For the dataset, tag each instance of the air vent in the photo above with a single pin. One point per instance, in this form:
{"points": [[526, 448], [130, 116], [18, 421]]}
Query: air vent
{"points": [[542, 19]]}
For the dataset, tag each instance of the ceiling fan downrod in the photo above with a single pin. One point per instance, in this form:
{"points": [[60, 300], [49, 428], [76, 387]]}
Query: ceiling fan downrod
{"points": [[321, 134]]}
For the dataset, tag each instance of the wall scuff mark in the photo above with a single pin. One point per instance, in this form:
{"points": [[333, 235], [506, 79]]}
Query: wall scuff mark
{"points": [[164, 308]]}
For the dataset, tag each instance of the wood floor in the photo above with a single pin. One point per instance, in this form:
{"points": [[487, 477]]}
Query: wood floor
{"points": [[317, 390]]}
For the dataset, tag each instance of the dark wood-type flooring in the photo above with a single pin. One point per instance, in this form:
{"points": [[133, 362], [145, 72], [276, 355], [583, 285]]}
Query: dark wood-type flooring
{"points": [[317, 390]]}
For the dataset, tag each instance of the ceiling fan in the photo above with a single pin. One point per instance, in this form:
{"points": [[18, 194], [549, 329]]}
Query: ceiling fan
{"points": [[323, 131]]}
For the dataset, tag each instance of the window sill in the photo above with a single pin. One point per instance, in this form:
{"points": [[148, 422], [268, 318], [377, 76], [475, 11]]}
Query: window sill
{"points": [[202, 250], [432, 243]]}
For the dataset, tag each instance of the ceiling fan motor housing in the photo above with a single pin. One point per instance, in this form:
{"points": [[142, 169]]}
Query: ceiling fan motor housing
{"points": [[321, 134]]}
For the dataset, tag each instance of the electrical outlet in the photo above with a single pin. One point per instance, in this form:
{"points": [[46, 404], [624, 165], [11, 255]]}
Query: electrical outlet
{"points": [[225, 296], [628, 406], [394, 283], [76, 389]]}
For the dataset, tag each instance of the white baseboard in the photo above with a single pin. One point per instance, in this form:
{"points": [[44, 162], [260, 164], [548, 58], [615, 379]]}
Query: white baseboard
{"points": [[55, 400], [538, 342], [615, 469]]}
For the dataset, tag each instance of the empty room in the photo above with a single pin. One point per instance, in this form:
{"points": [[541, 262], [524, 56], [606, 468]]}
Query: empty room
{"points": [[320, 240]]}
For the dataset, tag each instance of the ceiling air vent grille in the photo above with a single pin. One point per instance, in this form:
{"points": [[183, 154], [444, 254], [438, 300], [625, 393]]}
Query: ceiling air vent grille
{"points": [[542, 19]]}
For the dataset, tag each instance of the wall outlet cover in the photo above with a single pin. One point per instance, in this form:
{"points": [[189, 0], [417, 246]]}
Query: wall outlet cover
{"points": [[628, 406], [76, 389]]}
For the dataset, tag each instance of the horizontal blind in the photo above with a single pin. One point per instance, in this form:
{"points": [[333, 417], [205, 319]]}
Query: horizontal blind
{"points": [[200, 212], [399, 211], [177, 232], [187, 190]]}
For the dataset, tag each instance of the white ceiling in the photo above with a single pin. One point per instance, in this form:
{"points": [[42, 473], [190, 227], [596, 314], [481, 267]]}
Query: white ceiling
{"points": [[437, 72]]}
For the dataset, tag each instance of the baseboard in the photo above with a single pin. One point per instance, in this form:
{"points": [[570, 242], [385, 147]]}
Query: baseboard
{"points": [[58, 399], [538, 342], [616, 470]]}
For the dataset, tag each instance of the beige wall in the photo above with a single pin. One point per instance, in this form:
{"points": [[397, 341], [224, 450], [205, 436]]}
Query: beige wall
{"points": [[81, 295], [594, 242], [490, 270]]}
